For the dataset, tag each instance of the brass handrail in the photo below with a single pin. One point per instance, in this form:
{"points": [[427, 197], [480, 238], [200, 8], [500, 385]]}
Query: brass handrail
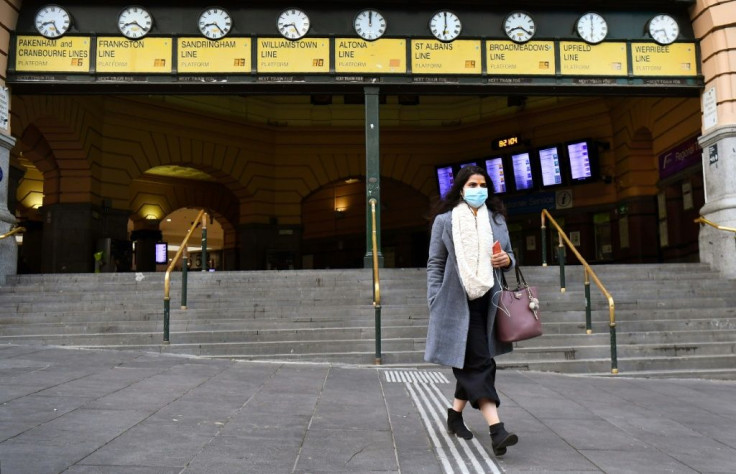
{"points": [[167, 277], [376, 282], [703, 220], [13, 231], [588, 272]]}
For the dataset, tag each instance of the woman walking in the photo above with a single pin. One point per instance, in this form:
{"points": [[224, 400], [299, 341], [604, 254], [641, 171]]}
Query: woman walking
{"points": [[463, 289]]}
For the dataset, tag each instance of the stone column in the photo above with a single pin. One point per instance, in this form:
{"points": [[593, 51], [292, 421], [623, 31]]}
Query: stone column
{"points": [[8, 247], [713, 24]]}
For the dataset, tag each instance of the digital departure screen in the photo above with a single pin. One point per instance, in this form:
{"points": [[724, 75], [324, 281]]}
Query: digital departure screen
{"points": [[445, 179], [579, 160], [494, 166], [549, 161], [162, 252], [522, 171]]}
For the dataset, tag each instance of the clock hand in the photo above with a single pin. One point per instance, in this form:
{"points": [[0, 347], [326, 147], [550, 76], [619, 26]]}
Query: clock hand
{"points": [[370, 18], [215, 25], [133, 23]]}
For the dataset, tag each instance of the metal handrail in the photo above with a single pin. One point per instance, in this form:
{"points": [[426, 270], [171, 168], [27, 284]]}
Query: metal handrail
{"points": [[703, 220], [588, 272], [376, 282], [13, 231], [167, 277]]}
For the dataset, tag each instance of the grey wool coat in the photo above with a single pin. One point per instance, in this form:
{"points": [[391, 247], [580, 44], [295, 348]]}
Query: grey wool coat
{"points": [[449, 316]]}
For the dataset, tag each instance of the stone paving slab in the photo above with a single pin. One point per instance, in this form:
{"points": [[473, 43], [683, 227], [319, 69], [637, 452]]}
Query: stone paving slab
{"points": [[102, 411]]}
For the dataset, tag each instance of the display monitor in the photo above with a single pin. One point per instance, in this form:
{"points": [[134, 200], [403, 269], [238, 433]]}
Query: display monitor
{"points": [[162, 253], [494, 167], [470, 163], [522, 166], [581, 160], [550, 165], [445, 178]]}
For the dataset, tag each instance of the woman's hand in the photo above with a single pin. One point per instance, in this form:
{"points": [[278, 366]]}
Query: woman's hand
{"points": [[500, 260]]}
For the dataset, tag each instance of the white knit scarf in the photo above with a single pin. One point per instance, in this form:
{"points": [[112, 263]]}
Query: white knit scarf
{"points": [[473, 239]]}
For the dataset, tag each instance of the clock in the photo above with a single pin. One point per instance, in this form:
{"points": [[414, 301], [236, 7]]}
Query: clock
{"points": [[135, 22], [663, 29], [445, 25], [519, 27], [592, 27], [215, 23], [293, 24], [369, 24], [52, 21]]}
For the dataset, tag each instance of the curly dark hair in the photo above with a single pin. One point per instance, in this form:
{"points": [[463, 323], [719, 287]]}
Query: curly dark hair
{"points": [[454, 195]]}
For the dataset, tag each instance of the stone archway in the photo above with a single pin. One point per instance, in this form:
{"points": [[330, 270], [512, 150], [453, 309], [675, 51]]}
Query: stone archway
{"points": [[334, 223]]}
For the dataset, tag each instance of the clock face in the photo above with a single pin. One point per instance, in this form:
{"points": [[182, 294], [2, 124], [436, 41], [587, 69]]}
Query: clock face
{"points": [[445, 25], [293, 24], [135, 22], [52, 21], [592, 27], [519, 27], [370, 25], [663, 29], [215, 23]]}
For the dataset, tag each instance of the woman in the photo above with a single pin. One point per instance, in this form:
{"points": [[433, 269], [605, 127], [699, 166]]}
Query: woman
{"points": [[463, 289]]}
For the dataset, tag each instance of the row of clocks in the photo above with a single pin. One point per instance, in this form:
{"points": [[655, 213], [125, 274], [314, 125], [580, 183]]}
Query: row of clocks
{"points": [[135, 22]]}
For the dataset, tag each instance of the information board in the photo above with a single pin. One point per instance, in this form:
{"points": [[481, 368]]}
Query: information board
{"points": [[522, 166], [436, 57], [494, 167], [39, 54], [507, 57], [120, 55], [385, 56], [200, 55], [583, 59], [278, 55], [549, 162], [651, 59]]}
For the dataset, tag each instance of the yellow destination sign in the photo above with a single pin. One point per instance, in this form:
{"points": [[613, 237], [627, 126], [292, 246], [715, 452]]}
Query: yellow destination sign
{"points": [[200, 55], [436, 57], [385, 56], [39, 54], [280, 55], [583, 59], [651, 59], [119, 55], [507, 57]]}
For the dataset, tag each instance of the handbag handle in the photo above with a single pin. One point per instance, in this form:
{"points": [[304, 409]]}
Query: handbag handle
{"points": [[520, 280]]}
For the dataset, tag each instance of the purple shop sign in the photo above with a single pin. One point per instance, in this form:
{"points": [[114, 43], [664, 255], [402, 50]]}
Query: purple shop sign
{"points": [[684, 155]]}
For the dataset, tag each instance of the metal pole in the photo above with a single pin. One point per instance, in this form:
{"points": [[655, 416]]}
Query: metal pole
{"points": [[372, 173], [561, 258], [588, 322], [204, 243], [544, 245], [184, 272], [166, 320]]}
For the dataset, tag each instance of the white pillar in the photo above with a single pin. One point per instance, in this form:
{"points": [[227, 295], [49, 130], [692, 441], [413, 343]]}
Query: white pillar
{"points": [[8, 247]]}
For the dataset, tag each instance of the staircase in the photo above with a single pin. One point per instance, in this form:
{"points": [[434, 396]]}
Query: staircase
{"points": [[675, 320]]}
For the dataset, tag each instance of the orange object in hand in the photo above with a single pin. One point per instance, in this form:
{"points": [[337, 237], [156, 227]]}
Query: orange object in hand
{"points": [[496, 247]]}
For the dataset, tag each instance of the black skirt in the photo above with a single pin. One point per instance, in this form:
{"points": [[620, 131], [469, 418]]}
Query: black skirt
{"points": [[477, 379]]}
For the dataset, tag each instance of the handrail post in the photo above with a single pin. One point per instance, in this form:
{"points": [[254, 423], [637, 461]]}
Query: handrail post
{"points": [[184, 272], [205, 266], [376, 283], [544, 243], [588, 318], [167, 276], [561, 259]]}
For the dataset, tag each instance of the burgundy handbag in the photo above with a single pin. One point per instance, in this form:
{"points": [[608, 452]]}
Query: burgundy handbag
{"points": [[517, 317]]}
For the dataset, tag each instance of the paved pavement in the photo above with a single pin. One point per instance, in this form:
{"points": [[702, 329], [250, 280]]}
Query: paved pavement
{"points": [[104, 411]]}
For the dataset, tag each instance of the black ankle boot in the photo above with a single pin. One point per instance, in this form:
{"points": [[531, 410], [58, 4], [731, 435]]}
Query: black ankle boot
{"points": [[455, 424], [500, 439]]}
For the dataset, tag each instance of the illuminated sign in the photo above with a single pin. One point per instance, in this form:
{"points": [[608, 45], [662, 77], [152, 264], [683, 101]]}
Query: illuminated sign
{"points": [[583, 59], [386, 56], [120, 55], [505, 142], [200, 55], [280, 55], [36, 53], [507, 57], [651, 59], [436, 57]]}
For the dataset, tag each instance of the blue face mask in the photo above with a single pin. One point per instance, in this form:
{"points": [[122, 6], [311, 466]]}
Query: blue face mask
{"points": [[476, 197]]}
